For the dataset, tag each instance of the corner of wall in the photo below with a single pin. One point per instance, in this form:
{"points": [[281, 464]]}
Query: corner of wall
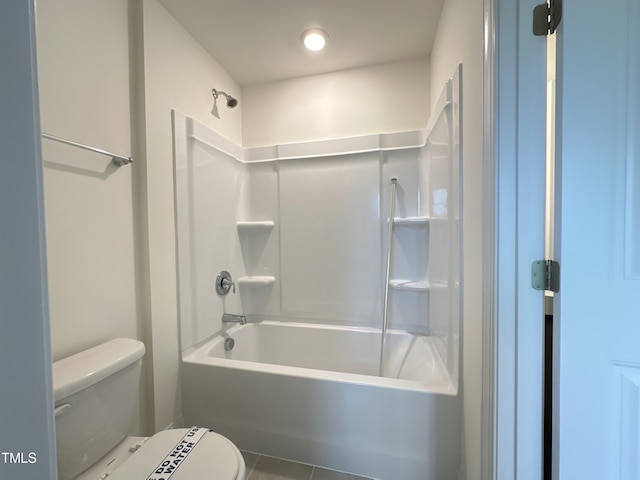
{"points": [[178, 75], [459, 40]]}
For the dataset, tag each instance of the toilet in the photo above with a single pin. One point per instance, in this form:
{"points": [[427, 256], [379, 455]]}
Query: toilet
{"points": [[96, 396]]}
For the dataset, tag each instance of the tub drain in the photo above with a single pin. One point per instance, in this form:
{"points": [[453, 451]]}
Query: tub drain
{"points": [[229, 343]]}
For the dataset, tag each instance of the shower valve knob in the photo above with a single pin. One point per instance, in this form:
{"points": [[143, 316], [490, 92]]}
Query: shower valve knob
{"points": [[224, 283]]}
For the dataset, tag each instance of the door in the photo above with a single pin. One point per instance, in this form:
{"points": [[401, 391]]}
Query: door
{"points": [[597, 312], [27, 437]]}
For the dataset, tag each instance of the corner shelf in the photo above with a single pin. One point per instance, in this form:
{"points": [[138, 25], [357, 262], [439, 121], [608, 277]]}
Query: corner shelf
{"points": [[410, 285], [245, 226], [256, 281]]}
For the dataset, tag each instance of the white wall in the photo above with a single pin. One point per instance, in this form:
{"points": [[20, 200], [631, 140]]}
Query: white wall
{"points": [[84, 84], [392, 97], [459, 40], [84, 96], [177, 74]]}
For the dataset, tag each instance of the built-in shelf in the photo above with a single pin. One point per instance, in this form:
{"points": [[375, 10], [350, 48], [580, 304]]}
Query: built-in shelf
{"points": [[409, 285], [256, 281], [410, 221], [266, 225]]}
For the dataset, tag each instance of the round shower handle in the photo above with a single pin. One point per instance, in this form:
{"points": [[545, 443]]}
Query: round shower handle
{"points": [[224, 282]]}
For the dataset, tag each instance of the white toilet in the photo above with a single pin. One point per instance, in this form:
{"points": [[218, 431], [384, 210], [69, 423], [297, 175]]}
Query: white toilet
{"points": [[96, 394]]}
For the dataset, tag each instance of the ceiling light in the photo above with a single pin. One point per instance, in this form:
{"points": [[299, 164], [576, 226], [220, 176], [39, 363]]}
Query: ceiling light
{"points": [[315, 39]]}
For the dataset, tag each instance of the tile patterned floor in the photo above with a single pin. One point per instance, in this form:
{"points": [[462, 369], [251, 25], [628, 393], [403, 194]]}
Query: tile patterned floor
{"points": [[260, 467]]}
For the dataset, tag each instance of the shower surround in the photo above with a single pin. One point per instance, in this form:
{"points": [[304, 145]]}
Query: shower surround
{"points": [[302, 228]]}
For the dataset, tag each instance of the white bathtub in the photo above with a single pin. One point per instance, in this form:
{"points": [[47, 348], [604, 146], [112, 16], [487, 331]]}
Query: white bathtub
{"points": [[311, 393]]}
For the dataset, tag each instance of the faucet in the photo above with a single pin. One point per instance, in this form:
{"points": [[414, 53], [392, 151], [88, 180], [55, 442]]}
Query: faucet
{"points": [[232, 318]]}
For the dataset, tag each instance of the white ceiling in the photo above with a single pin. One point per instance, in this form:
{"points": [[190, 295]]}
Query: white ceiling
{"points": [[258, 41]]}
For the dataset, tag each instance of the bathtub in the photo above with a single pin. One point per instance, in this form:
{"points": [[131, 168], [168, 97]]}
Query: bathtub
{"points": [[312, 393]]}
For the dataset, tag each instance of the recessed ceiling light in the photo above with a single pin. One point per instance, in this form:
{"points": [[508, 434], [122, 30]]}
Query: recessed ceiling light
{"points": [[315, 39]]}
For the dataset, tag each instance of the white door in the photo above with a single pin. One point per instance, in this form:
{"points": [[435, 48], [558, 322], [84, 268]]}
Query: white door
{"points": [[27, 437], [597, 312]]}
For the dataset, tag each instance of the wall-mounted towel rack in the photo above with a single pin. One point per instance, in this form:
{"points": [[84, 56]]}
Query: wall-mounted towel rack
{"points": [[117, 160]]}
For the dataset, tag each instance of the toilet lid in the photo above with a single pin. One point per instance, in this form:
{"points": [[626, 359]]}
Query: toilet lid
{"points": [[214, 456]]}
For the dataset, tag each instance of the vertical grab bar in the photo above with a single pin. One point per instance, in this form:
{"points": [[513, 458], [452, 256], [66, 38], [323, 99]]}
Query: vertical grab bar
{"points": [[385, 315]]}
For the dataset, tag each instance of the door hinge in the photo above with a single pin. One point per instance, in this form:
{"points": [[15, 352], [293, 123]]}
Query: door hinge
{"points": [[545, 275], [546, 17]]}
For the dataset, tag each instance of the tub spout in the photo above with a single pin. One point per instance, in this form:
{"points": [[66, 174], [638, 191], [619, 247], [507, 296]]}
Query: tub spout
{"points": [[231, 318]]}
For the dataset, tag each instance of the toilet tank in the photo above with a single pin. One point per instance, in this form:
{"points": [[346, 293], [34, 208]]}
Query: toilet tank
{"points": [[96, 394]]}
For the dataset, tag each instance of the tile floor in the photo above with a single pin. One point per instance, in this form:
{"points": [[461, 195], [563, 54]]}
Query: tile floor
{"points": [[260, 467]]}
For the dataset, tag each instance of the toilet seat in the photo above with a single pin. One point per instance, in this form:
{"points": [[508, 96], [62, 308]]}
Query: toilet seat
{"points": [[213, 457]]}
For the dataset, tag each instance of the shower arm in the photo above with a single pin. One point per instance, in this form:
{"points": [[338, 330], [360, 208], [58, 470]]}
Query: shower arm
{"points": [[215, 93]]}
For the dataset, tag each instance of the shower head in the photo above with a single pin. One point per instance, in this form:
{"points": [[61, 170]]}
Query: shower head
{"points": [[231, 102]]}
